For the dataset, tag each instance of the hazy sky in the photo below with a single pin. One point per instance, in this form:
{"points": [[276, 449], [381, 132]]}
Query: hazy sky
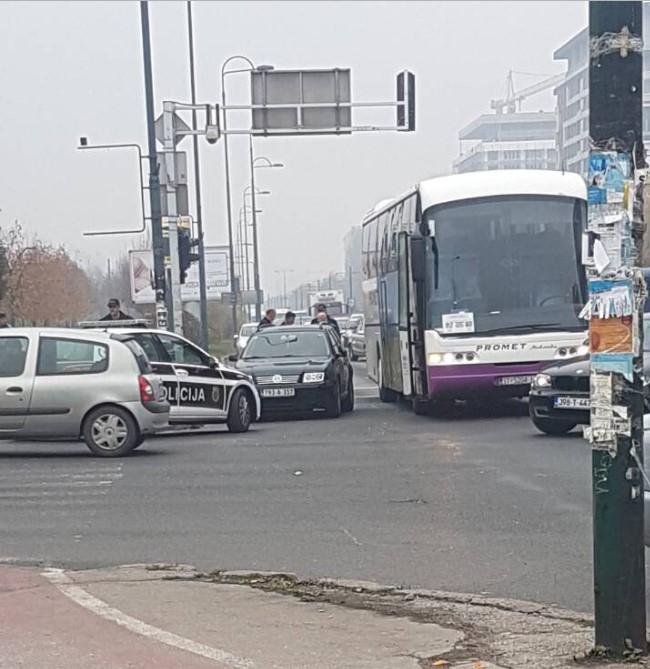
{"points": [[75, 68]]}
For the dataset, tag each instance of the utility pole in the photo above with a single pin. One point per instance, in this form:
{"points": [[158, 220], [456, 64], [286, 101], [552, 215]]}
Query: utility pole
{"points": [[169, 147], [203, 289], [162, 296], [617, 292]]}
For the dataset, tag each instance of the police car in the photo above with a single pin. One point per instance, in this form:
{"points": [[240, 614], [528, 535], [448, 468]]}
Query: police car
{"points": [[199, 389]]}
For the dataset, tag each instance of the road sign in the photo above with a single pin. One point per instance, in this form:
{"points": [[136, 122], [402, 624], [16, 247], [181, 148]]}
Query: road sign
{"points": [[179, 127], [287, 102]]}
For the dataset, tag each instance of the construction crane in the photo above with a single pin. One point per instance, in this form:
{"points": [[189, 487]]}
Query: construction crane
{"points": [[513, 99]]}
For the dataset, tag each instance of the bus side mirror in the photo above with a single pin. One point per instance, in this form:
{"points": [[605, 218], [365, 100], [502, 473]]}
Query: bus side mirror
{"points": [[418, 259]]}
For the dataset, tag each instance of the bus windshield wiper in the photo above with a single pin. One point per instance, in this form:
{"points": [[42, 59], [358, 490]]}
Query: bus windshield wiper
{"points": [[533, 327]]}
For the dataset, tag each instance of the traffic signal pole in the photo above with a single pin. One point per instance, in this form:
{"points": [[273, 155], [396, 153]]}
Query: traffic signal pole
{"points": [[162, 303], [615, 309], [172, 215]]}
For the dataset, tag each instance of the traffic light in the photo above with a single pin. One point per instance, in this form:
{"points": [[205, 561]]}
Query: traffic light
{"points": [[185, 255], [406, 101]]}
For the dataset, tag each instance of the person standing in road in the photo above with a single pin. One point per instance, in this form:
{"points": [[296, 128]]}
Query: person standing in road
{"points": [[3, 320], [114, 312], [322, 309], [289, 318], [267, 321]]}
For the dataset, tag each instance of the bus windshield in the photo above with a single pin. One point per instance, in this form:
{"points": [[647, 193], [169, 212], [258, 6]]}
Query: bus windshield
{"points": [[509, 261]]}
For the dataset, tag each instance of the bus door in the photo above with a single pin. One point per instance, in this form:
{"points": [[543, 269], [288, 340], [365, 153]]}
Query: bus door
{"points": [[391, 373], [404, 315]]}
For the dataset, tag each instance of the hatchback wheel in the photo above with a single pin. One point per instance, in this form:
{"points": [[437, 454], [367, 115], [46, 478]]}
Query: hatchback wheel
{"points": [[110, 432], [240, 412]]}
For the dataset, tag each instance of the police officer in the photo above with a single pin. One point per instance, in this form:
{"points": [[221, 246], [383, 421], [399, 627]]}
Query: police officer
{"points": [[115, 313]]}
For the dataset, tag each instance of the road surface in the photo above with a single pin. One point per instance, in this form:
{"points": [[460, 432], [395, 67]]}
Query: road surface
{"points": [[475, 502]]}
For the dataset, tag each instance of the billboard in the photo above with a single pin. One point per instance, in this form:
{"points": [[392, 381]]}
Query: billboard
{"points": [[217, 276]]}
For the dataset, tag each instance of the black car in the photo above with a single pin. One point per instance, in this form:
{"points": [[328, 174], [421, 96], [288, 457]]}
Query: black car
{"points": [[559, 395], [299, 369]]}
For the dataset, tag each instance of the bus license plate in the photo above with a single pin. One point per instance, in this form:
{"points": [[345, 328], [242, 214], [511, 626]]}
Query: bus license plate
{"points": [[278, 392], [571, 403], [515, 380]]}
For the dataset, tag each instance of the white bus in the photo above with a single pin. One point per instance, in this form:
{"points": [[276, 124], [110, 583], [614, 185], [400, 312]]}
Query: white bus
{"points": [[472, 283]]}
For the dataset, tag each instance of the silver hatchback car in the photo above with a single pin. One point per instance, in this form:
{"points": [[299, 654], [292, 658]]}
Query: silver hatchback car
{"points": [[74, 383]]}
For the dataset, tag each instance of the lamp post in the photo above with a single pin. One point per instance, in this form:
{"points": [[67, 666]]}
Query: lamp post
{"points": [[284, 273], [256, 254], [224, 71]]}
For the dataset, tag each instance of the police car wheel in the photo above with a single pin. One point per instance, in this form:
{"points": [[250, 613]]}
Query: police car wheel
{"points": [[239, 414], [110, 432]]}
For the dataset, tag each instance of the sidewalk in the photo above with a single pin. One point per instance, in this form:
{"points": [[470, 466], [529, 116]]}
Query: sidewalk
{"points": [[168, 616]]}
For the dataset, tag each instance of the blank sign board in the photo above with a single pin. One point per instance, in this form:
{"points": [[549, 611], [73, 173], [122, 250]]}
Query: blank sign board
{"points": [[287, 102]]}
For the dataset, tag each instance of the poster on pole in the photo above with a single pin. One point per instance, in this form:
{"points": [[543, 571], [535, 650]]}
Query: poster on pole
{"points": [[217, 276]]}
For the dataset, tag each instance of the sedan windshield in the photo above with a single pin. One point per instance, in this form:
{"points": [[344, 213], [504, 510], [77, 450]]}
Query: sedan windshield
{"points": [[268, 344]]}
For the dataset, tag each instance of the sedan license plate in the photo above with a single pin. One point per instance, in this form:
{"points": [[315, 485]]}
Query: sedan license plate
{"points": [[278, 392], [525, 380], [571, 403]]}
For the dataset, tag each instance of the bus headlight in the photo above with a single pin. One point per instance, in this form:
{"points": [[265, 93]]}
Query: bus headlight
{"points": [[542, 381], [441, 359]]}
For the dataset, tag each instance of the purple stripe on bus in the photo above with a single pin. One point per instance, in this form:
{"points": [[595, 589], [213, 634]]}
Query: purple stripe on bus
{"points": [[476, 378]]}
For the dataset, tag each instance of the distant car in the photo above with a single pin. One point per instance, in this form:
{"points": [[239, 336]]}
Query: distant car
{"points": [[245, 332], [357, 340], [201, 390], [350, 328], [73, 384], [300, 369], [559, 395]]}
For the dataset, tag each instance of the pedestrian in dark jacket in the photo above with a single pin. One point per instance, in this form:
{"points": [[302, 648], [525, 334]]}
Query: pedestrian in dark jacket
{"points": [[267, 321], [322, 309], [115, 313], [289, 318]]}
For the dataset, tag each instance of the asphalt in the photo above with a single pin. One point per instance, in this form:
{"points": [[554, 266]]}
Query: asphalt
{"points": [[475, 502]]}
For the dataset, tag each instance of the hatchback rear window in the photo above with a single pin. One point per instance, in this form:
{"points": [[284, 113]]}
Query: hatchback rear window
{"points": [[141, 358], [13, 355], [71, 356]]}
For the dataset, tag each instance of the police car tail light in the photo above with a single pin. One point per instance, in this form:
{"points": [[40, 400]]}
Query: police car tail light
{"points": [[147, 393]]}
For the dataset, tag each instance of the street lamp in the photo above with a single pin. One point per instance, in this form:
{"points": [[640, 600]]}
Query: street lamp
{"points": [[256, 255], [268, 162], [284, 273], [224, 71]]}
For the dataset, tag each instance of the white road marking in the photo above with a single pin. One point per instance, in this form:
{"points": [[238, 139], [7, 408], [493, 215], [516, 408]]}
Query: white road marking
{"points": [[66, 586], [351, 536]]}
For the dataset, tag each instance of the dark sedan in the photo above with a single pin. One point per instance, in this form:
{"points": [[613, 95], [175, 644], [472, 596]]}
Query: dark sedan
{"points": [[299, 369], [559, 395]]}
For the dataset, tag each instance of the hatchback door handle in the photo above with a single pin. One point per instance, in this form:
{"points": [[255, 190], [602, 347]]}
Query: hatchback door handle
{"points": [[13, 390]]}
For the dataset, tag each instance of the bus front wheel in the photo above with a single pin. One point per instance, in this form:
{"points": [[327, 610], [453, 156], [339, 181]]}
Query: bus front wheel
{"points": [[421, 407], [385, 394]]}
